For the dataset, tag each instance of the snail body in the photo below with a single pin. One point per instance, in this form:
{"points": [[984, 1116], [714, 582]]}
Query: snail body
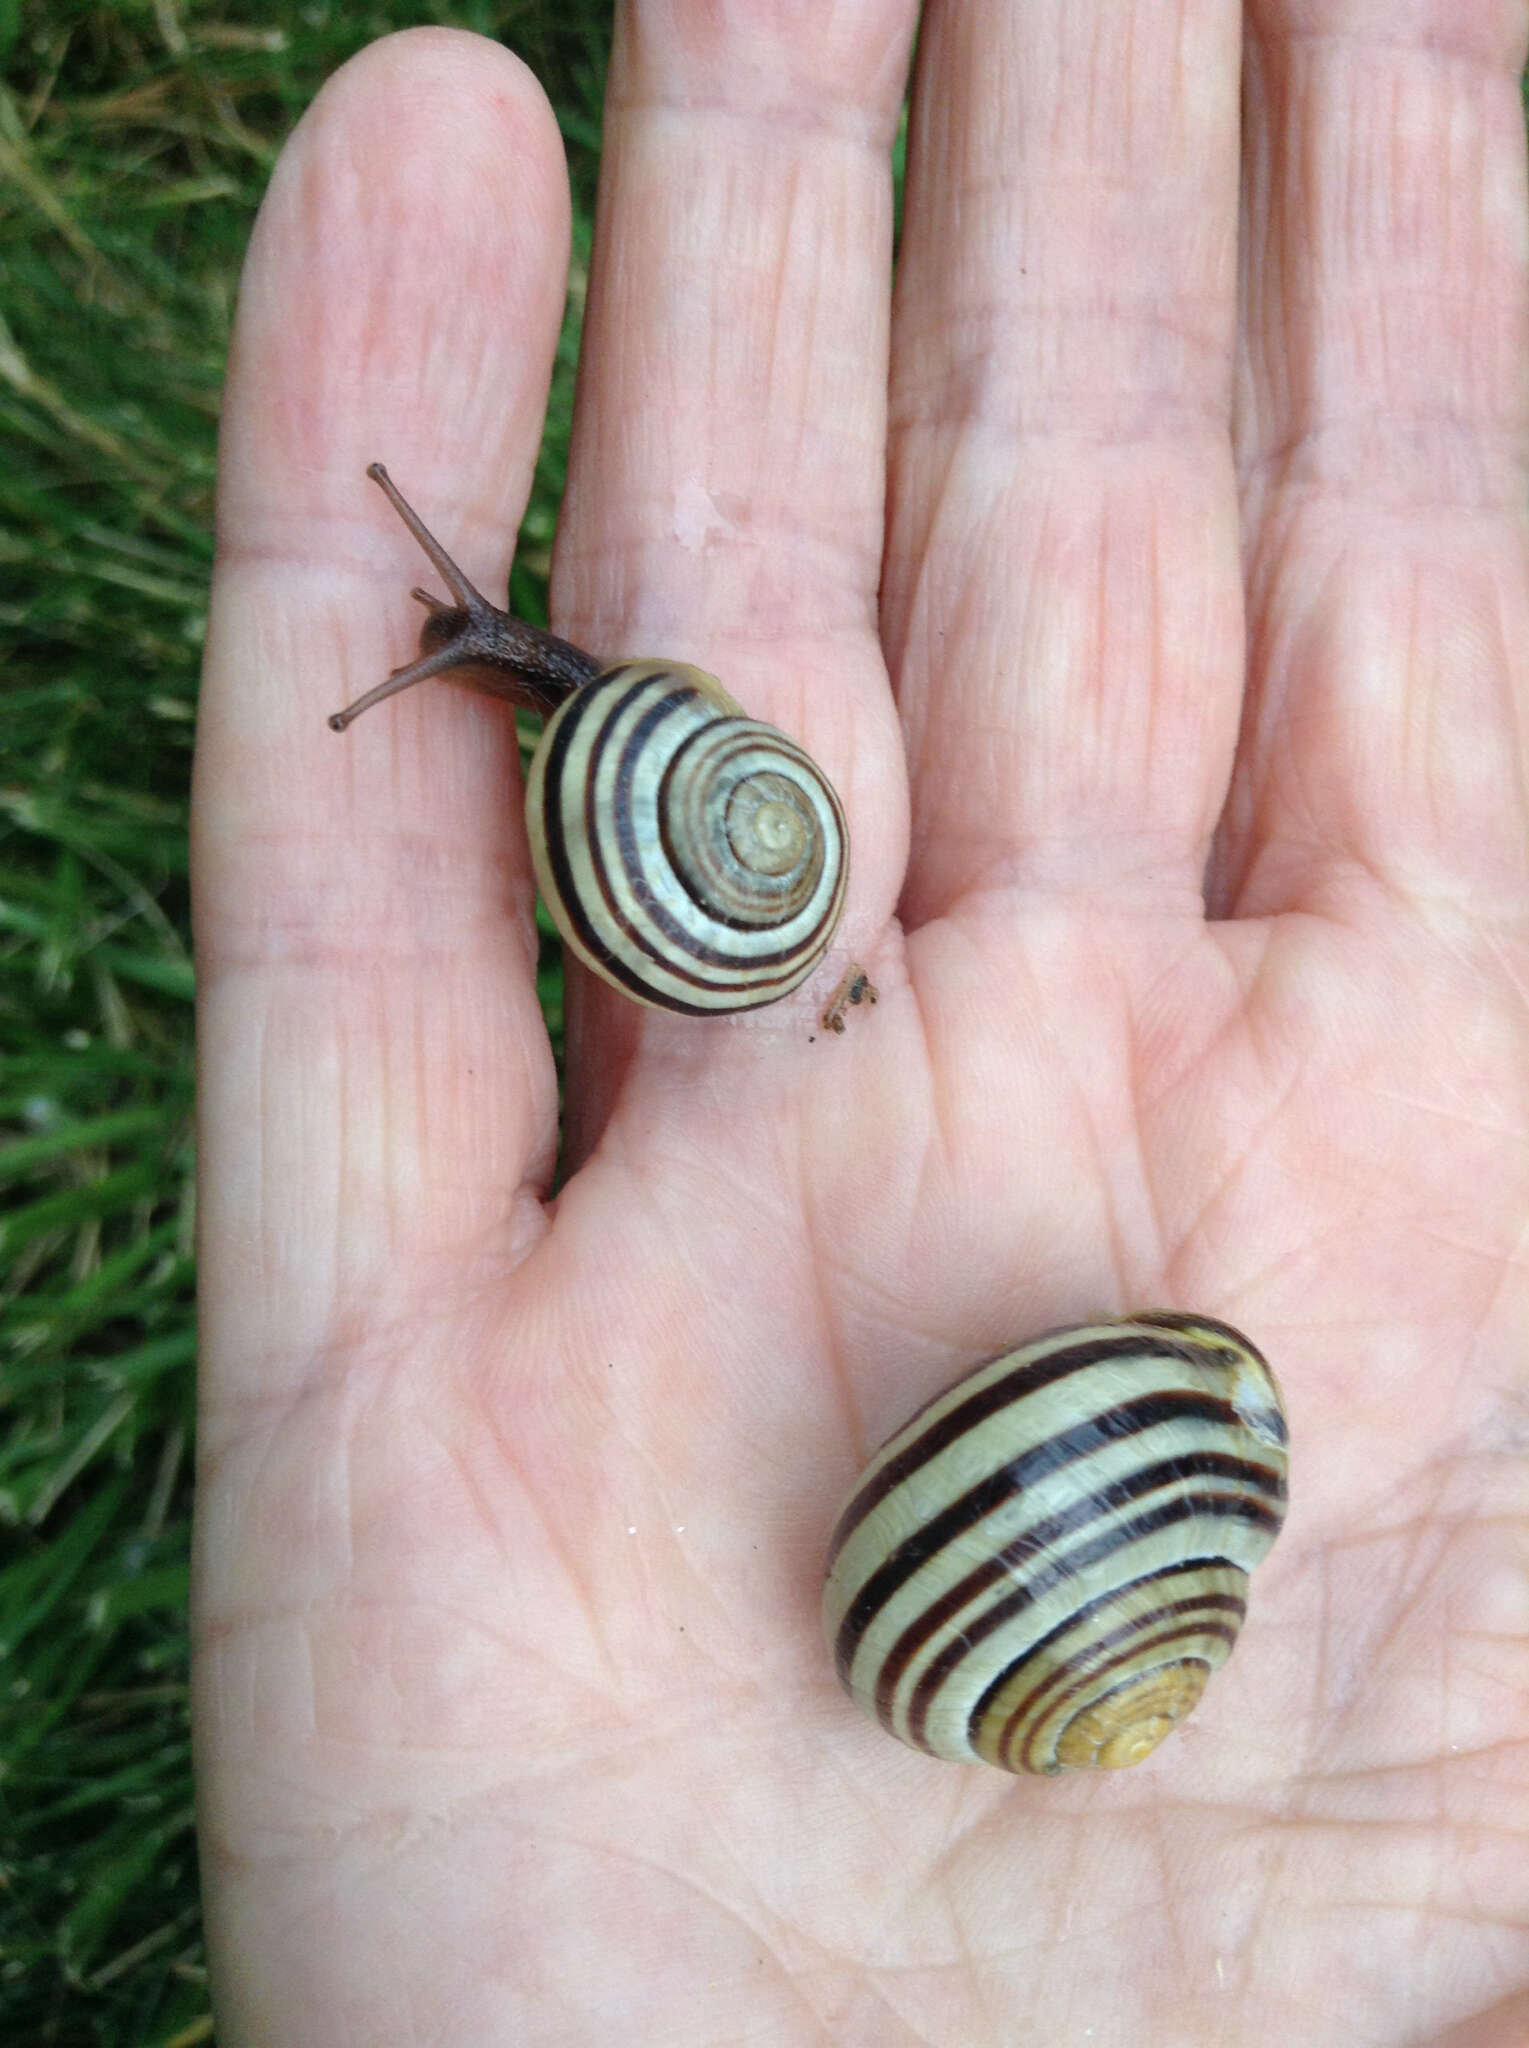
{"points": [[694, 858], [1043, 1568]]}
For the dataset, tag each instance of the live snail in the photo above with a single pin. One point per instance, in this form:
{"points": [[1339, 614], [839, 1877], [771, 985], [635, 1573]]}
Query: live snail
{"points": [[693, 857], [1042, 1569]]}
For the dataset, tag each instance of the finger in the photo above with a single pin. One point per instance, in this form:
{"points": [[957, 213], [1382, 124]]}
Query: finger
{"points": [[1062, 590], [1382, 423], [375, 1074], [725, 490]]}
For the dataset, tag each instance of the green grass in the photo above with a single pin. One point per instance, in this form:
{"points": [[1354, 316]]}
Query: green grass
{"points": [[135, 140]]}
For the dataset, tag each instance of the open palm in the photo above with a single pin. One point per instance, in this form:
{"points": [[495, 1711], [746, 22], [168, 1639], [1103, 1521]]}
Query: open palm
{"points": [[1190, 862]]}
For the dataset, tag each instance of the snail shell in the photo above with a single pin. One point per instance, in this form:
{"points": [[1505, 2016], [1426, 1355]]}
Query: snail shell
{"points": [[693, 857], [690, 855], [1044, 1567]]}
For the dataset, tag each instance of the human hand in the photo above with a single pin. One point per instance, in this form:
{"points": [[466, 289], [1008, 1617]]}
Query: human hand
{"points": [[513, 1722]]}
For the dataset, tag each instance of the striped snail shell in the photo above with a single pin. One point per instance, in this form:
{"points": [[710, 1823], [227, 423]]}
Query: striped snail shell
{"points": [[1044, 1567], [693, 857]]}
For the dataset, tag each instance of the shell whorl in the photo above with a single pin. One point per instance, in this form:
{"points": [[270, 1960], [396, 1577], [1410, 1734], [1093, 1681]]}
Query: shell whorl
{"points": [[1042, 1569], [693, 857]]}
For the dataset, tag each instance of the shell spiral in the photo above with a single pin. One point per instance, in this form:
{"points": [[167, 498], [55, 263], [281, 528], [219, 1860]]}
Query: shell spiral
{"points": [[1043, 1568], [693, 857]]}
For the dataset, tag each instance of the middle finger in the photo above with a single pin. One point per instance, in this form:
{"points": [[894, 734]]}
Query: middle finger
{"points": [[727, 474]]}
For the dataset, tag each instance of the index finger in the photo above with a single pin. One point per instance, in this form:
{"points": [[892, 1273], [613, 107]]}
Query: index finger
{"points": [[375, 1075]]}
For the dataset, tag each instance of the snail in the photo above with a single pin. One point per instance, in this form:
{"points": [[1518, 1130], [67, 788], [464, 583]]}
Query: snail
{"points": [[1042, 1569], [694, 858]]}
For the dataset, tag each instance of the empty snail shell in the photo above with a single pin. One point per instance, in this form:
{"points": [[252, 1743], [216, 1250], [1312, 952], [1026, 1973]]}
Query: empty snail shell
{"points": [[1043, 1568], [693, 857]]}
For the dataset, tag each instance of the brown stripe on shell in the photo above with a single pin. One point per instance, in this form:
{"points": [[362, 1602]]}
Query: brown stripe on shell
{"points": [[973, 1508], [1024, 1721], [1056, 1363], [1117, 1536]]}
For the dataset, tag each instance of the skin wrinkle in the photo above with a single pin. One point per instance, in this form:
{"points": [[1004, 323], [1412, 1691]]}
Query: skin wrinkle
{"points": [[1361, 860], [474, 1493], [1176, 1918], [1418, 1573], [834, 1348], [356, 1188], [1348, 1714], [1323, 463], [910, 649], [791, 236], [1222, 1186], [1268, 1889], [1267, 718], [1264, 24], [1513, 1268], [398, 1161], [1231, 972], [844, 566], [782, 1934], [870, 2010], [865, 128], [1121, 1259], [454, 1286], [774, 357], [319, 1624], [957, 396], [442, 865], [1408, 1529], [602, 1851], [1425, 1557], [937, 1150], [1155, 743]]}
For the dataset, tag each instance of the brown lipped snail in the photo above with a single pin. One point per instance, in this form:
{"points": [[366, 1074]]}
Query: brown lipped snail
{"points": [[694, 858], [1042, 1569]]}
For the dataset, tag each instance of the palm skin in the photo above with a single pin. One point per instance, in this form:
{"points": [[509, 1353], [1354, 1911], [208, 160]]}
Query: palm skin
{"points": [[1197, 989]]}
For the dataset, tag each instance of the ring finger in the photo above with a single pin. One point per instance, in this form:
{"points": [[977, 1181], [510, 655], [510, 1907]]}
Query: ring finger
{"points": [[1061, 603]]}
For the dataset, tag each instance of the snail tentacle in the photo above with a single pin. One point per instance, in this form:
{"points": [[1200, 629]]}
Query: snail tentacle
{"points": [[487, 648]]}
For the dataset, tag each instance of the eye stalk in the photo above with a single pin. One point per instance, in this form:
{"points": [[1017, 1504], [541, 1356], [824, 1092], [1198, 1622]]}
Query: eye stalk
{"points": [[472, 640]]}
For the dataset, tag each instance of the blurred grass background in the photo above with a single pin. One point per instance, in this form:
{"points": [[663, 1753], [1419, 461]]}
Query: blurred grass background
{"points": [[135, 141]]}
